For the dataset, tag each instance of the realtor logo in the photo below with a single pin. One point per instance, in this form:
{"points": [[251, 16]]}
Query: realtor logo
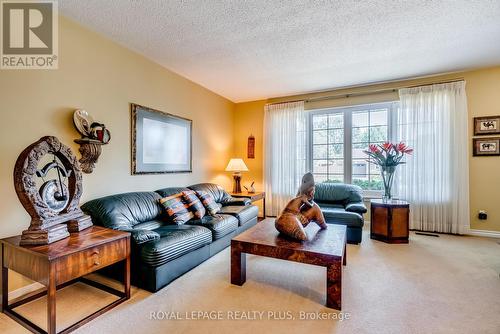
{"points": [[29, 34]]}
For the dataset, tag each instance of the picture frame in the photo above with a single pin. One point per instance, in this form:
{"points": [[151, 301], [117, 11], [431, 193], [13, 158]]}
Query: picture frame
{"points": [[487, 125], [161, 142], [486, 146]]}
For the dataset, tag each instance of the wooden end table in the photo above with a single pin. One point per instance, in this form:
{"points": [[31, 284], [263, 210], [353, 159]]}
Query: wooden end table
{"points": [[62, 263], [253, 197], [389, 221], [326, 248]]}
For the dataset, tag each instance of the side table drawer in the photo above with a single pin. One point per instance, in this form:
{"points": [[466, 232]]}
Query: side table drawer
{"points": [[84, 262]]}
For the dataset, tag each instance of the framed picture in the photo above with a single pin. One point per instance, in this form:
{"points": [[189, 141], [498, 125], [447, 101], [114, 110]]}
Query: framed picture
{"points": [[161, 142], [489, 125], [486, 146]]}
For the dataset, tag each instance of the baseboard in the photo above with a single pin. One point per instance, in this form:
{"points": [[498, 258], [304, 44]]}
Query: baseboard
{"points": [[33, 287], [483, 233]]}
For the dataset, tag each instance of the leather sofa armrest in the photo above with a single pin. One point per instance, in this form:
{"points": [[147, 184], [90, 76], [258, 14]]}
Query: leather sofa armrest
{"points": [[236, 201], [142, 236], [358, 207]]}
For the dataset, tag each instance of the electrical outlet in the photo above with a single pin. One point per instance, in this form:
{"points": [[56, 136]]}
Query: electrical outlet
{"points": [[483, 215]]}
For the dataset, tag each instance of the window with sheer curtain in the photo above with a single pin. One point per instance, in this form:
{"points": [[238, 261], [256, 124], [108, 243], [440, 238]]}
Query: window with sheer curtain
{"points": [[340, 135]]}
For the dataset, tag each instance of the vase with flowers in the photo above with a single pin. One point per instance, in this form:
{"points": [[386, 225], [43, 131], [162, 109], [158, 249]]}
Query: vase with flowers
{"points": [[387, 156]]}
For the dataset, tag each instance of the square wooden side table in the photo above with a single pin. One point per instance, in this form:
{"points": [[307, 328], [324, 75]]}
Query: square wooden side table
{"points": [[253, 197], [62, 263], [390, 221]]}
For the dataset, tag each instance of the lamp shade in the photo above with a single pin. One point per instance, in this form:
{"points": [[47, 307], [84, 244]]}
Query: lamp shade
{"points": [[236, 165]]}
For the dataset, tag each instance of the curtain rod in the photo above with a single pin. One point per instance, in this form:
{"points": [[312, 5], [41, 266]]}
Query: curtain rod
{"points": [[371, 92]]}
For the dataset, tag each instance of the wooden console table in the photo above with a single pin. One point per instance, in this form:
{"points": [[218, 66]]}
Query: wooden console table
{"points": [[256, 196], [389, 221], [62, 263]]}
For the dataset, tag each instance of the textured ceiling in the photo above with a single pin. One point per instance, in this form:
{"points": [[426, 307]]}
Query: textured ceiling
{"points": [[255, 49]]}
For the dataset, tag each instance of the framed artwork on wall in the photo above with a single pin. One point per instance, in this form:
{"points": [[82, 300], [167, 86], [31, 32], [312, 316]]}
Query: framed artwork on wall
{"points": [[161, 142], [486, 146], [489, 125]]}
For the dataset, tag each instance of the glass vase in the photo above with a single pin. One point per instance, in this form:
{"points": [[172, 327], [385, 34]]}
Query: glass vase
{"points": [[388, 177]]}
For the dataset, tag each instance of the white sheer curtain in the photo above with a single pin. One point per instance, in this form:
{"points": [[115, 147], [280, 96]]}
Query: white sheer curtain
{"points": [[435, 180], [285, 147]]}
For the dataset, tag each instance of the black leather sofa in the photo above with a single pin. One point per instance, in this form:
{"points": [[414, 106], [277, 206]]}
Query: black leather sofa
{"points": [[161, 250]]}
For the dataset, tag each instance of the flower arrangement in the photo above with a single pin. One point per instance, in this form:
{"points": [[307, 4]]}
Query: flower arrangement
{"points": [[388, 156]]}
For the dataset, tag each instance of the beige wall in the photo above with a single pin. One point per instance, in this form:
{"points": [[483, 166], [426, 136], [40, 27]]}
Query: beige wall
{"points": [[483, 94], [102, 77], [248, 120]]}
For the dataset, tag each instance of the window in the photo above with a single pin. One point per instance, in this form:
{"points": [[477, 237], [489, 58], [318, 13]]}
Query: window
{"points": [[338, 138], [328, 147]]}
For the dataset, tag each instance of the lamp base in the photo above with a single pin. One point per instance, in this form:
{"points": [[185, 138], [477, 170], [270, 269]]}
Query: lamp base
{"points": [[237, 183]]}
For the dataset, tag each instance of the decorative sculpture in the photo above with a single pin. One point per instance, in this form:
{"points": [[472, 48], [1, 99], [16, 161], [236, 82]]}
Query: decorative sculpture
{"points": [[300, 211], [250, 189], [54, 207], [94, 135]]}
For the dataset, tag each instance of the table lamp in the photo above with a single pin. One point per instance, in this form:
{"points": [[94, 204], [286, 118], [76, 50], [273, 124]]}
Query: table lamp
{"points": [[236, 166]]}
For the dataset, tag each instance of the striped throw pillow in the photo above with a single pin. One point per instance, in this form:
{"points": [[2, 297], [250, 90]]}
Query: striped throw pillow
{"points": [[209, 202], [193, 203], [176, 209]]}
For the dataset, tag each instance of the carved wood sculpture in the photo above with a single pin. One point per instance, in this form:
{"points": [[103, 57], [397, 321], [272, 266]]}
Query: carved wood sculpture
{"points": [[94, 135], [54, 208], [300, 211]]}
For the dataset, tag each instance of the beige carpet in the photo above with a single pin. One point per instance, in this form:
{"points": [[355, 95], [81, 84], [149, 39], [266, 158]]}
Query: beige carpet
{"points": [[433, 285]]}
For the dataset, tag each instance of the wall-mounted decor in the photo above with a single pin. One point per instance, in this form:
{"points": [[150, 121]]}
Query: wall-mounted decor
{"points": [[489, 125], [48, 182], [161, 142], [94, 135], [486, 146], [251, 147]]}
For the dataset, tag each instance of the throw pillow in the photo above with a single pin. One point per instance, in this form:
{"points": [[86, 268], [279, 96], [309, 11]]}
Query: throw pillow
{"points": [[193, 203], [176, 209], [209, 202]]}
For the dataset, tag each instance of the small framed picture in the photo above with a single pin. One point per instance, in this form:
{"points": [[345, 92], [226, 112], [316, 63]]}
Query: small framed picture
{"points": [[489, 125], [486, 146]]}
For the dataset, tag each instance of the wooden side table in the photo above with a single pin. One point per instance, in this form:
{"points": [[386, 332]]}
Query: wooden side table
{"points": [[253, 197], [390, 221], [62, 263]]}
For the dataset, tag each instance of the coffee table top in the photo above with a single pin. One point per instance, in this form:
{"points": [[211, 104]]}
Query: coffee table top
{"points": [[321, 242]]}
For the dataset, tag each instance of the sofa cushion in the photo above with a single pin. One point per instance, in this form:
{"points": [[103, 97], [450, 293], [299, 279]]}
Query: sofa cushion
{"points": [[220, 225], [331, 206], [193, 203], [217, 192], [176, 209], [149, 225], [175, 241], [165, 192], [208, 202], [142, 236], [123, 211], [337, 193], [342, 217], [242, 213]]}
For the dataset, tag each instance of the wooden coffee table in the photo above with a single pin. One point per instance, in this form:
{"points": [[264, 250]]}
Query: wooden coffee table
{"points": [[326, 248]]}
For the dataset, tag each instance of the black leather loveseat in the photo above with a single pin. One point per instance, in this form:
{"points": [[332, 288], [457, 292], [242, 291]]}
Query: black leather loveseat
{"points": [[162, 250]]}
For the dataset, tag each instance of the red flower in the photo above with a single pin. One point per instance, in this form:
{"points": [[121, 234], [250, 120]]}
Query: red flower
{"points": [[387, 146], [408, 151], [401, 147], [374, 148]]}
